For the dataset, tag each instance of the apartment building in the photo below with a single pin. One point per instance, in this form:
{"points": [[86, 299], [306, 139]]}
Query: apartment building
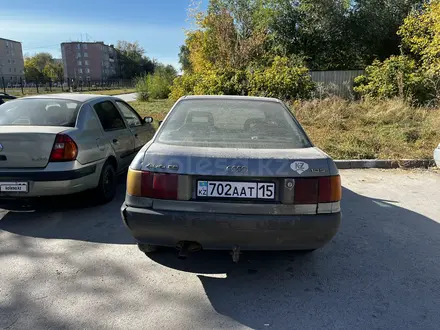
{"points": [[11, 61], [88, 61]]}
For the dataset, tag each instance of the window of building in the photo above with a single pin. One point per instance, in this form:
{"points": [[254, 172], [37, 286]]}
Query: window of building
{"points": [[109, 116], [78, 46], [78, 55], [79, 63], [10, 69], [86, 54], [85, 46], [12, 53], [15, 70], [87, 70], [80, 70], [9, 61], [86, 62], [13, 61]]}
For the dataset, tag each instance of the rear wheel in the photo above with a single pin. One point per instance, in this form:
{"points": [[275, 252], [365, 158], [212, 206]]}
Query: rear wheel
{"points": [[306, 251], [147, 248], [106, 189]]}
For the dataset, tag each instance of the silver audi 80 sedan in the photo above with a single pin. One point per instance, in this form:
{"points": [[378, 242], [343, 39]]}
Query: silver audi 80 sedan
{"points": [[66, 143], [238, 173]]}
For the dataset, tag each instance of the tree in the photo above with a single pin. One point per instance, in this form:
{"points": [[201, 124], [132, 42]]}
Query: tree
{"points": [[31, 71], [225, 37], [184, 59], [54, 71], [41, 67], [132, 60], [339, 34], [421, 37]]}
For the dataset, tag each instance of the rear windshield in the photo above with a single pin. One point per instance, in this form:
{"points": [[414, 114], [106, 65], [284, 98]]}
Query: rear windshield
{"points": [[232, 124], [39, 112]]}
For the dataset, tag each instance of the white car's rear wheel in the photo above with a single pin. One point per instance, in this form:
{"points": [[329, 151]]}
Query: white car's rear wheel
{"points": [[106, 189]]}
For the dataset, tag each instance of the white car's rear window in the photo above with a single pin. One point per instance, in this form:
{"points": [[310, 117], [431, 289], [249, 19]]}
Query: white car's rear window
{"points": [[232, 124], [39, 112]]}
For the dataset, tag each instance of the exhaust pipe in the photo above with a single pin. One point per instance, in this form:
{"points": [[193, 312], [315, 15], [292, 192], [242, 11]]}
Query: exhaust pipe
{"points": [[183, 251]]}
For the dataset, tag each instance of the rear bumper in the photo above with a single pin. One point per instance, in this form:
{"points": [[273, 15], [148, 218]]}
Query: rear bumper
{"points": [[223, 231], [50, 182]]}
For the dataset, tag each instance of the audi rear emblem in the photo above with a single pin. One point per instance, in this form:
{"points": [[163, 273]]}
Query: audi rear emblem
{"points": [[237, 169]]}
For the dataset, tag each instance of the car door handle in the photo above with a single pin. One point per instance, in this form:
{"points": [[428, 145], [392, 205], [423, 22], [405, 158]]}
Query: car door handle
{"points": [[115, 141]]}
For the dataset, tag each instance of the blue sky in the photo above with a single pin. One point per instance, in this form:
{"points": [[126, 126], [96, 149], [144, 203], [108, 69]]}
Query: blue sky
{"points": [[157, 24]]}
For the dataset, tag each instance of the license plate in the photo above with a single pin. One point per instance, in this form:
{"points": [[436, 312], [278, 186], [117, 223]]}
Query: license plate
{"points": [[13, 187], [224, 189]]}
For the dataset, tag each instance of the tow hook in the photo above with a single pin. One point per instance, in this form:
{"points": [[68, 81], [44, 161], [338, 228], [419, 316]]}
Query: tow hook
{"points": [[236, 253], [183, 251]]}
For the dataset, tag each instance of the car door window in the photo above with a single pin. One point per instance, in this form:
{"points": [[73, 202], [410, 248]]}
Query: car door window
{"points": [[109, 116], [130, 116]]}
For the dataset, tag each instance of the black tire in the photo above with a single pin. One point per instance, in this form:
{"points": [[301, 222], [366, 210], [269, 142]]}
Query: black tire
{"points": [[304, 252], [147, 248], [106, 189]]}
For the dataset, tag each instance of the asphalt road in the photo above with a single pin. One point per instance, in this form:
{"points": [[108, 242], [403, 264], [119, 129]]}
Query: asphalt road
{"points": [[76, 267], [128, 97]]}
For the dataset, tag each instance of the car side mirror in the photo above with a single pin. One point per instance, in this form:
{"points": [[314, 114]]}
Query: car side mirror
{"points": [[160, 122], [148, 120]]}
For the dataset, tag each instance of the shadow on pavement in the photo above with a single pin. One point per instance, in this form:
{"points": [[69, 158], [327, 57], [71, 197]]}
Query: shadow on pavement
{"points": [[75, 217], [382, 270]]}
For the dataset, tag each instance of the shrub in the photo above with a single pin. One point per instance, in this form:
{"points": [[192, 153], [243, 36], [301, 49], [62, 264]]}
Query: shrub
{"points": [[211, 82], [156, 85], [281, 80], [397, 76], [184, 85]]}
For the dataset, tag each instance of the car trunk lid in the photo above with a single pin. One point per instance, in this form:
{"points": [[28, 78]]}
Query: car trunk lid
{"points": [[244, 163], [27, 146], [235, 175]]}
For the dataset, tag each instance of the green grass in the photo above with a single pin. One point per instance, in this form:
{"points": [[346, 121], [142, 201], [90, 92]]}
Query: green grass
{"points": [[156, 109], [367, 129], [41, 91], [112, 91]]}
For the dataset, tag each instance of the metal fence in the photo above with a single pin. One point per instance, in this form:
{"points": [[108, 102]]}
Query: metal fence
{"points": [[26, 87], [335, 82]]}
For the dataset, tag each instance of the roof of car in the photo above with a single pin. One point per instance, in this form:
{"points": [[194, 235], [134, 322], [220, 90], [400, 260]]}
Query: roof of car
{"points": [[230, 97], [68, 96]]}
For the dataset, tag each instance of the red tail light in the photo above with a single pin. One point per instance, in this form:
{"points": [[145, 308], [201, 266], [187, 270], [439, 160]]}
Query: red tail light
{"points": [[64, 149], [159, 185], [330, 189], [318, 190], [306, 191]]}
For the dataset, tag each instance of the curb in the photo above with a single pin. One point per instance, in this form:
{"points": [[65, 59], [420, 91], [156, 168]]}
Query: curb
{"points": [[383, 163]]}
